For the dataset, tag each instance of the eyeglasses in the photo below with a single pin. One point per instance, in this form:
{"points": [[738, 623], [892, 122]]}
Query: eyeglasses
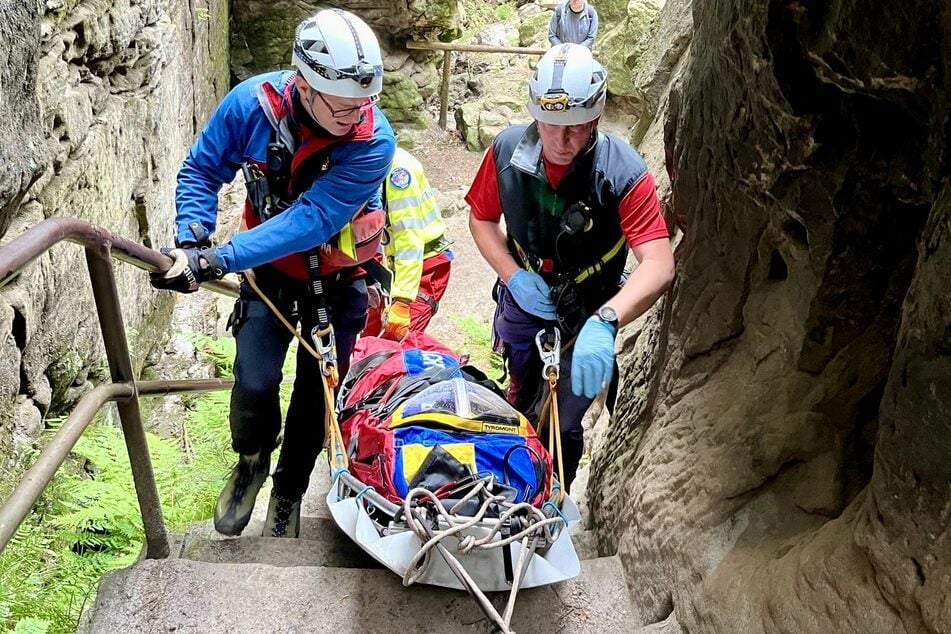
{"points": [[343, 113]]}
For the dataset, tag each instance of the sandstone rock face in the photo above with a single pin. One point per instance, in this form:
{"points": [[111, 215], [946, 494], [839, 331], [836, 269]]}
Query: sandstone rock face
{"points": [[780, 456], [479, 122], [21, 136], [264, 33], [105, 98], [661, 60], [622, 41]]}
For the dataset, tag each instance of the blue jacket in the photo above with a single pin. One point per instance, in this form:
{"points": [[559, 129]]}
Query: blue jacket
{"points": [[239, 131]]}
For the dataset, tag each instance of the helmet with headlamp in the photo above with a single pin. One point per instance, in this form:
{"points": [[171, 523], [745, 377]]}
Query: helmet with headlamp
{"points": [[568, 88], [337, 54]]}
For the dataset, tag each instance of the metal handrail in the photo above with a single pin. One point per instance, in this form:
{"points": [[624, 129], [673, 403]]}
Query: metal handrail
{"points": [[101, 246]]}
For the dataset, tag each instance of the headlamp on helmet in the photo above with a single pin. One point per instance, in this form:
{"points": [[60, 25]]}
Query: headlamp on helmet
{"points": [[337, 54], [568, 87]]}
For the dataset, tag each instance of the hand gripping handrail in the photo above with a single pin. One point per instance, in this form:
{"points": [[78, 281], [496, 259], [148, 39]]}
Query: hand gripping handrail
{"points": [[101, 246]]}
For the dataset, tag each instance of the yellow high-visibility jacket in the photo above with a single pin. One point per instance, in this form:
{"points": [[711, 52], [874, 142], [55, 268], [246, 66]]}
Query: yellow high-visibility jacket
{"points": [[415, 224]]}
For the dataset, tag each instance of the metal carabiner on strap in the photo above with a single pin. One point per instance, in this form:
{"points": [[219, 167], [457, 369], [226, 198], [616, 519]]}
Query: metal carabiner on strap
{"points": [[548, 342], [326, 345]]}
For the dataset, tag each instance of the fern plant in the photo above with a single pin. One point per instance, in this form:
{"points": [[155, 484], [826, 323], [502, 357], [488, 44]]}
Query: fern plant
{"points": [[88, 521]]}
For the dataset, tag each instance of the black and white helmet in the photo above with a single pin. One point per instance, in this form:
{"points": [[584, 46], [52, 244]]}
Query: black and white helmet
{"points": [[338, 54], [568, 88]]}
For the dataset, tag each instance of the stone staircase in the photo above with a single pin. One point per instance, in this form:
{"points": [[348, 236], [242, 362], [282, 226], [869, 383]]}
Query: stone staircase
{"points": [[323, 582]]}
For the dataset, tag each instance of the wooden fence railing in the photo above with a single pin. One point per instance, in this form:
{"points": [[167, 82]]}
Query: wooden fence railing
{"points": [[448, 48]]}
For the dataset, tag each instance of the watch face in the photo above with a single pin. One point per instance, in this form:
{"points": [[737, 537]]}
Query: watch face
{"points": [[606, 313]]}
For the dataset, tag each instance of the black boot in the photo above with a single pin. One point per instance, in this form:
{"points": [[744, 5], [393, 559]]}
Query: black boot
{"points": [[283, 517], [233, 511]]}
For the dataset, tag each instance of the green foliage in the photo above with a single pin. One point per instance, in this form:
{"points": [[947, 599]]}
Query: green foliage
{"points": [[88, 521], [478, 344], [479, 14]]}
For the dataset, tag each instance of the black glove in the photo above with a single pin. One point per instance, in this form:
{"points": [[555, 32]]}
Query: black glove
{"points": [[191, 267]]}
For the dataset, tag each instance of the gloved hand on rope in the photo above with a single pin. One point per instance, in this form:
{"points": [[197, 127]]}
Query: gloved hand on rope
{"points": [[592, 363], [532, 294], [191, 266], [397, 320]]}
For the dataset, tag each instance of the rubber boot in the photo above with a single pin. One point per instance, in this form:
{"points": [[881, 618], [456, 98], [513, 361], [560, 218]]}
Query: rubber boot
{"points": [[233, 511], [283, 517]]}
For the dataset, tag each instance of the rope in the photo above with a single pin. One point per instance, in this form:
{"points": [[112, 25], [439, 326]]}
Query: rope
{"points": [[249, 276], [539, 528], [332, 435], [554, 437]]}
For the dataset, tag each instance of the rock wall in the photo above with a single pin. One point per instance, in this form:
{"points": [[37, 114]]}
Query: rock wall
{"points": [[780, 459], [264, 31], [100, 101], [623, 35]]}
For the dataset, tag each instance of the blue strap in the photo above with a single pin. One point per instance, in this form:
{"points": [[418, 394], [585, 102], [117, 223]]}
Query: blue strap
{"points": [[335, 477], [365, 489], [558, 513]]}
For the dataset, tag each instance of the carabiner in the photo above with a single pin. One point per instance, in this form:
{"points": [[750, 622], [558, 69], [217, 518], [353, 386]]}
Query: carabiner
{"points": [[548, 342], [326, 345]]}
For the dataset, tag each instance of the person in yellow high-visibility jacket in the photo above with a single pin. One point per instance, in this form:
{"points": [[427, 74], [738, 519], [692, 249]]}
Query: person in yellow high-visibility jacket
{"points": [[416, 251]]}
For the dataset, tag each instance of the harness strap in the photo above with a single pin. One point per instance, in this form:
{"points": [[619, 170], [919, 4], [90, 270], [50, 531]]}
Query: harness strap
{"points": [[323, 331], [597, 266], [268, 98], [433, 304], [536, 264]]}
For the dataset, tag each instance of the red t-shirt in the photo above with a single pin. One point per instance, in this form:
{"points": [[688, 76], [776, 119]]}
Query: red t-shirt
{"points": [[641, 220]]}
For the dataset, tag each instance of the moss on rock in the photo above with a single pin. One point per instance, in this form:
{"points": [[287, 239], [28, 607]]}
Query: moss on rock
{"points": [[619, 48], [534, 29]]}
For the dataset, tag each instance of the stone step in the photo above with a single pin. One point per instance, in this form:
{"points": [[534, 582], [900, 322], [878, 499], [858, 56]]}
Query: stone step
{"points": [[321, 543], [181, 596]]}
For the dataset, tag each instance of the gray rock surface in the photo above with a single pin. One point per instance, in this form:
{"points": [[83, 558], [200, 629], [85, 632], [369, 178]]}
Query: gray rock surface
{"points": [[622, 41], [22, 152], [104, 99], [187, 596], [785, 468]]}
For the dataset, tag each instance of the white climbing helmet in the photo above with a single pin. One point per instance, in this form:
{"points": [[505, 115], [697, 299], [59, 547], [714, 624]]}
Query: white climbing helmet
{"points": [[568, 88], [338, 54]]}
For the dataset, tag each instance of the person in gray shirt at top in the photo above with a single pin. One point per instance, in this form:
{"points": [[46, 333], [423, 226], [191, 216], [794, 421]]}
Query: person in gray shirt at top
{"points": [[576, 22]]}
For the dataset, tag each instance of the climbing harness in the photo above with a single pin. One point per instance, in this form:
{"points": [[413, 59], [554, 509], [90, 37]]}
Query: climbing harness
{"points": [[325, 353], [322, 333]]}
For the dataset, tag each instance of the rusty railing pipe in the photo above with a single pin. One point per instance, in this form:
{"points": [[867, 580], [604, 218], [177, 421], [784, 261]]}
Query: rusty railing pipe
{"points": [[38, 477], [112, 325], [39, 238]]}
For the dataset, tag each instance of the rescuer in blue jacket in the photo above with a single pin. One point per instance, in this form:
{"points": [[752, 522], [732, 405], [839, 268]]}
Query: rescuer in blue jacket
{"points": [[314, 150]]}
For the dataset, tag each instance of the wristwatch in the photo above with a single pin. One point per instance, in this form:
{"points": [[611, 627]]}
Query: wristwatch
{"points": [[609, 316]]}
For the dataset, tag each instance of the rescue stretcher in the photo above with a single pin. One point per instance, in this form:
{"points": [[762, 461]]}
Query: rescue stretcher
{"points": [[441, 481]]}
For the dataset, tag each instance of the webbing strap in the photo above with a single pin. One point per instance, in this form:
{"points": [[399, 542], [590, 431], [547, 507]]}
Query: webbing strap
{"points": [[433, 304], [532, 263], [316, 289], [597, 266]]}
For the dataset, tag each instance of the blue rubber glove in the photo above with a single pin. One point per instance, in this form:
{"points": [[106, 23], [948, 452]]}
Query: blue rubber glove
{"points": [[532, 294], [592, 364]]}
